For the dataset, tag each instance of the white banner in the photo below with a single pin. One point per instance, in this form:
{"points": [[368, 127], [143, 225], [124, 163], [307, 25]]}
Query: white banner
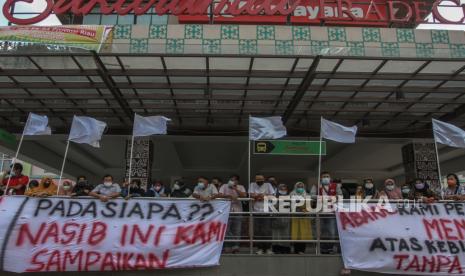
{"points": [[56, 234], [421, 239]]}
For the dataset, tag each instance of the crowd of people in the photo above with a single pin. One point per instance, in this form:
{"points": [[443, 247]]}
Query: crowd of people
{"points": [[295, 228]]}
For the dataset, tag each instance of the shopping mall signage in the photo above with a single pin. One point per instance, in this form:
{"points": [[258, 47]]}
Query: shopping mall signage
{"points": [[340, 12]]}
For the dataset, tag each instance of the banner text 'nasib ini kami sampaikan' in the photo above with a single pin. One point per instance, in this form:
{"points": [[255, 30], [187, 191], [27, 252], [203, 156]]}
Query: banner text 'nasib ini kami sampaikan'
{"points": [[58, 234]]}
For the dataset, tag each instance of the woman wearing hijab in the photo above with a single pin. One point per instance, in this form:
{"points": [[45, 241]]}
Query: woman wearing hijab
{"points": [[66, 188], [390, 190], [423, 192], [281, 226], [369, 190], [301, 228], [47, 187]]}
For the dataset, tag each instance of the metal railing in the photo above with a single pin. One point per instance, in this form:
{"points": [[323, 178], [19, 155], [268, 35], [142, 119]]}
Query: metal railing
{"points": [[248, 240]]}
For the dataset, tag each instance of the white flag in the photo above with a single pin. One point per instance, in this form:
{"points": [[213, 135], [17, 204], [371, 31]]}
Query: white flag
{"points": [[145, 126], [448, 134], [336, 132], [37, 125], [266, 128], [87, 130]]}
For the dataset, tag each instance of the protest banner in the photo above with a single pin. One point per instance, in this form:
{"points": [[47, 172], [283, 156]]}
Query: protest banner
{"points": [[62, 234], [420, 239], [89, 37]]}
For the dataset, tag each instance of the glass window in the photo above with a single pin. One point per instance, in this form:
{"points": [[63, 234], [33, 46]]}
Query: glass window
{"points": [[91, 19], [109, 19], [159, 19], [126, 19], [143, 19]]}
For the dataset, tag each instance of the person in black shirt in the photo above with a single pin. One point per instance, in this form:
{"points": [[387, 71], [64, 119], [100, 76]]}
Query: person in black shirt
{"points": [[82, 188], [180, 189]]}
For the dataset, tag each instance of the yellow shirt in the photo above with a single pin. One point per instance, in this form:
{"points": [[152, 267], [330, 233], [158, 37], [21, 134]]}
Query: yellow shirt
{"points": [[50, 190]]}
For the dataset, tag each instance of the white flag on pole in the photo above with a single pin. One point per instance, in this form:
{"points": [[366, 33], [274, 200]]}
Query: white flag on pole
{"points": [[337, 132], [87, 130], [37, 125], [266, 128], [145, 126], [448, 134]]}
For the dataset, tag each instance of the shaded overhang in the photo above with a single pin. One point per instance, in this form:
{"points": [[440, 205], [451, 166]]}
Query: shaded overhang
{"points": [[215, 94]]}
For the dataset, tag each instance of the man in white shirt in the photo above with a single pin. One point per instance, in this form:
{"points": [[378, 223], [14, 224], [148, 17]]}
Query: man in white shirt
{"points": [[204, 190], [262, 223], [233, 190]]}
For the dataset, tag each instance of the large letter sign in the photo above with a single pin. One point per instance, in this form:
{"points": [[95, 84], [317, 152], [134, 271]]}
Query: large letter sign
{"points": [[421, 239], [56, 234]]}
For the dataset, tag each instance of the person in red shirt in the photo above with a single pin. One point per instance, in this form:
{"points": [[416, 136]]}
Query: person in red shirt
{"points": [[17, 183]]}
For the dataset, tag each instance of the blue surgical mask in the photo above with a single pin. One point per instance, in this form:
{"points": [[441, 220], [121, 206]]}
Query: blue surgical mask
{"points": [[325, 180], [201, 185], [300, 190]]}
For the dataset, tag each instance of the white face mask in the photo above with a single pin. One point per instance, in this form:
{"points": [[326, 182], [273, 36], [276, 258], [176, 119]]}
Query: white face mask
{"points": [[66, 188], [201, 185], [231, 183], [406, 190], [107, 184], [390, 187], [369, 185], [176, 186]]}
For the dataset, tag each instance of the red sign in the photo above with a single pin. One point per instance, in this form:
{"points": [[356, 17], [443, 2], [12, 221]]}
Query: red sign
{"points": [[329, 12]]}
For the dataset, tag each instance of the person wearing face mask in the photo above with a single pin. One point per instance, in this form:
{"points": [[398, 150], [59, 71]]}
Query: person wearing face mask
{"points": [[233, 191], [82, 187], [132, 190], [301, 228], [369, 189], [407, 192], [328, 225], [204, 190], [158, 190], [326, 187], [180, 190], [281, 225], [453, 191], [422, 192], [66, 188], [17, 181], [262, 223], [107, 190], [47, 187], [390, 190]]}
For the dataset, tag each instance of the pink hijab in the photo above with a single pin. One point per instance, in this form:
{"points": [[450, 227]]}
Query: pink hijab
{"points": [[394, 194]]}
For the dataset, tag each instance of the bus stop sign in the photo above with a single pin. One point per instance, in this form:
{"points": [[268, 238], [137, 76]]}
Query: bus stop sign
{"points": [[289, 147]]}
